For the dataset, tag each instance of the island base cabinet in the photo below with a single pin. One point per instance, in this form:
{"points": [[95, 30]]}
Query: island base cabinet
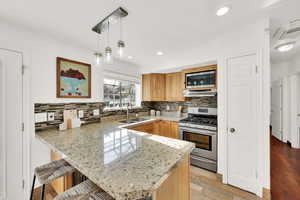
{"points": [[61, 184], [176, 185]]}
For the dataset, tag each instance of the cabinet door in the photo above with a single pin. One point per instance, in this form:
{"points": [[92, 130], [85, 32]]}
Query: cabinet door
{"points": [[158, 87], [174, 130], [164, 129], [174, 87], [146, 87]]}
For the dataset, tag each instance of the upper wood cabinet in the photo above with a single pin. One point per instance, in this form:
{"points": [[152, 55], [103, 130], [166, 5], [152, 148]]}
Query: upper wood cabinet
{"points": [[154, 87], [174, 86]]}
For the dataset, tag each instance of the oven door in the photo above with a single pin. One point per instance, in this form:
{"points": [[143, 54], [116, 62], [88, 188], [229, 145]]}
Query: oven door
{"points": [[205, 79], [205, 141]]}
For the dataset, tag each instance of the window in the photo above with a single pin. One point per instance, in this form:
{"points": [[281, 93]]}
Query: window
{"points": [[120, 93]]}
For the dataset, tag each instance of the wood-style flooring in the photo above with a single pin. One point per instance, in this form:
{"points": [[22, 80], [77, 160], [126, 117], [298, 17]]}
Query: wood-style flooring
{"points": [[285, 171], [205, 185]]}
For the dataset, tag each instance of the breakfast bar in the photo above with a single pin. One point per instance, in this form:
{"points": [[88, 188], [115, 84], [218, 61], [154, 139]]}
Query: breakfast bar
{"points": [[127, 164]]}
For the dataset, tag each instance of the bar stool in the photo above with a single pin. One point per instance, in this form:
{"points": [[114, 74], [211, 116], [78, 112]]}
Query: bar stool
{"points": [[49, 172], [86, 190]]}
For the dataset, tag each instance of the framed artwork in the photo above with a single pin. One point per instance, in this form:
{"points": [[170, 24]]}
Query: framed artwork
{"points": [[73, 79]]}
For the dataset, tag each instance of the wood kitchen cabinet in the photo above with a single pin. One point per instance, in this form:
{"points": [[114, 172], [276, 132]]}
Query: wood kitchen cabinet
{"points": [[161, 127], [61, 184], [174, 86], [154, 87]]}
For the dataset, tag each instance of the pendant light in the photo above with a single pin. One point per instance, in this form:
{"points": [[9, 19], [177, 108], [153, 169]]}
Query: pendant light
{"points": [[121, 43], [108, 50], [98, 54]]}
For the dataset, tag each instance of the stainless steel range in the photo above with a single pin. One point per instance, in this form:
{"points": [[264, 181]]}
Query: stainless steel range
{"points": [[201, 128]]}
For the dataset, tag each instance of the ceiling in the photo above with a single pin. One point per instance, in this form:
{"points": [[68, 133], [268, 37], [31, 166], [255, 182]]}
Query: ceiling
{"points": [[169, 26], [281, 15]]}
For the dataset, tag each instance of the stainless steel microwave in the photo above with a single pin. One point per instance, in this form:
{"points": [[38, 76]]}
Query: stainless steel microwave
{"points": [[205, 79]]}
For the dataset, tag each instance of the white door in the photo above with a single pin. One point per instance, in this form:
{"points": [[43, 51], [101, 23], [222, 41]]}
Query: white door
{"points": [[242, 119], [276, 109], [10, 125]]}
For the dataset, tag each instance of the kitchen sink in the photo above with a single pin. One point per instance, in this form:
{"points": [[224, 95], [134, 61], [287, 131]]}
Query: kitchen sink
{"points": [[131, 121]]}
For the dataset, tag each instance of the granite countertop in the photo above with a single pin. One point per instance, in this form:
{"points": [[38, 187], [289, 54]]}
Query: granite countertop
{"points": [[126, 164]]}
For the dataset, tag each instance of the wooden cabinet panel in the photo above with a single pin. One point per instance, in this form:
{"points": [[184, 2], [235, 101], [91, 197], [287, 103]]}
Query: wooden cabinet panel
{"points": [[174, 87], [153, 87], [176, 186], [162, 127], [174, 130], [61, 184], [147, 128]]}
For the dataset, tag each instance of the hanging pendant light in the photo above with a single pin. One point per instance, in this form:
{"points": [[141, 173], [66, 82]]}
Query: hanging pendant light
{"points": [[121, 43], [108, 50], [108, 55], [98, 57]]}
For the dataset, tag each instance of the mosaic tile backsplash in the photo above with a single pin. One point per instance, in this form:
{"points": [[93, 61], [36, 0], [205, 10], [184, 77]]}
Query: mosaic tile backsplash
{"points": [[210, 102], [58, 109]]}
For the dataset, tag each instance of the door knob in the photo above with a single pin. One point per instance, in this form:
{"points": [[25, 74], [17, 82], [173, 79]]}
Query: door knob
{"points": [[232, 130]]}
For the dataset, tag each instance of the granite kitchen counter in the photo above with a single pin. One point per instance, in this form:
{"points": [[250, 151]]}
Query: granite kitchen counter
{"points": [[126, 164]]}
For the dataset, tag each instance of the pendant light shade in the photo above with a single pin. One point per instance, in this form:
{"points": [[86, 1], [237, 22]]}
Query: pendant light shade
{"points": [[121, 46], [98, 57], [108, 55]]}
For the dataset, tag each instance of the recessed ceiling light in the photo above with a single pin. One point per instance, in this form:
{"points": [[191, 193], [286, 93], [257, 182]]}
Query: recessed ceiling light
{"points": [[130, 57], [285, 45], [223, 11], [159, 53]]}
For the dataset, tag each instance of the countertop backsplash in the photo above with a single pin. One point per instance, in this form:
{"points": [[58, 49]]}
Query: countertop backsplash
{"points": [[58, 109], [210, 102]]}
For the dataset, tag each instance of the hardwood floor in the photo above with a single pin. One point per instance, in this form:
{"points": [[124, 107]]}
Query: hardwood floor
{"points": [[285, 171], [205, 185]]}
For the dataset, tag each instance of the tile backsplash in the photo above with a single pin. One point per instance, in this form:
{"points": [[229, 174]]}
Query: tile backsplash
{"points": [[190, 102], [58, 109]]}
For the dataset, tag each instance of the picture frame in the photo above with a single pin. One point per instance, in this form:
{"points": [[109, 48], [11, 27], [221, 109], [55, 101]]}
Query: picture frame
{"points": [[73, 79]]}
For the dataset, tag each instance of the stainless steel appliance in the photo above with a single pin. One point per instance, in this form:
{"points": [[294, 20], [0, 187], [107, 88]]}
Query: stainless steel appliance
{"points": [[205, 79], [200, 127]]}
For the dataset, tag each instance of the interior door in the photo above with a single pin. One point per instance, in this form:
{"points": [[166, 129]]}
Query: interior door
{"points": [[242, 137], [276, 109], [11, 162]]}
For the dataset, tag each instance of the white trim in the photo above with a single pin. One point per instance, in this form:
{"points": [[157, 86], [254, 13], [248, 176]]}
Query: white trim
{"points": [[3, 134], [2, 197]]}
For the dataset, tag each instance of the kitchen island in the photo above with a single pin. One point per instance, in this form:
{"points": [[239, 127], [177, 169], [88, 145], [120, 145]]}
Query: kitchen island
{"points": [[127, 164]]}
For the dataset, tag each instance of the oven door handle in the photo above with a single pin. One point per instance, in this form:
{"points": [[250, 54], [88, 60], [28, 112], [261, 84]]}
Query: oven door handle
{"points": [[203, 132]]}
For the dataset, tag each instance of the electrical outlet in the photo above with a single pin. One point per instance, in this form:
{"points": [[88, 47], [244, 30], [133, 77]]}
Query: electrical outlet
{"points": [[40, 117], [80, 114], [51, 116], [96, 112]]}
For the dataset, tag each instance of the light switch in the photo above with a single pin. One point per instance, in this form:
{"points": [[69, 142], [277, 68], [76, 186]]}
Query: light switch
{"points": [[80, 114], [51, 116], [40, 117], [96, 112]]}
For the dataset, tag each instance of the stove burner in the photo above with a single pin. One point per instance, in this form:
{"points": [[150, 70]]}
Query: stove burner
{"points": [[201, 120]]}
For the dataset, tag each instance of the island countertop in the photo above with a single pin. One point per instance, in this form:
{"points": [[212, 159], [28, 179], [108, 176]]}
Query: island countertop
{"points": [[126, 164]]}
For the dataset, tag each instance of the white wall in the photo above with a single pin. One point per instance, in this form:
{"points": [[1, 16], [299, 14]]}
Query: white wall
{"points": [[39, 54], [279, 70], [238, 41]]}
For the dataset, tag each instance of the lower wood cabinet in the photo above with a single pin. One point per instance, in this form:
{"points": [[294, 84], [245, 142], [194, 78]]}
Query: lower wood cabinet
{"points": [[61, 184], [160, 127]]}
